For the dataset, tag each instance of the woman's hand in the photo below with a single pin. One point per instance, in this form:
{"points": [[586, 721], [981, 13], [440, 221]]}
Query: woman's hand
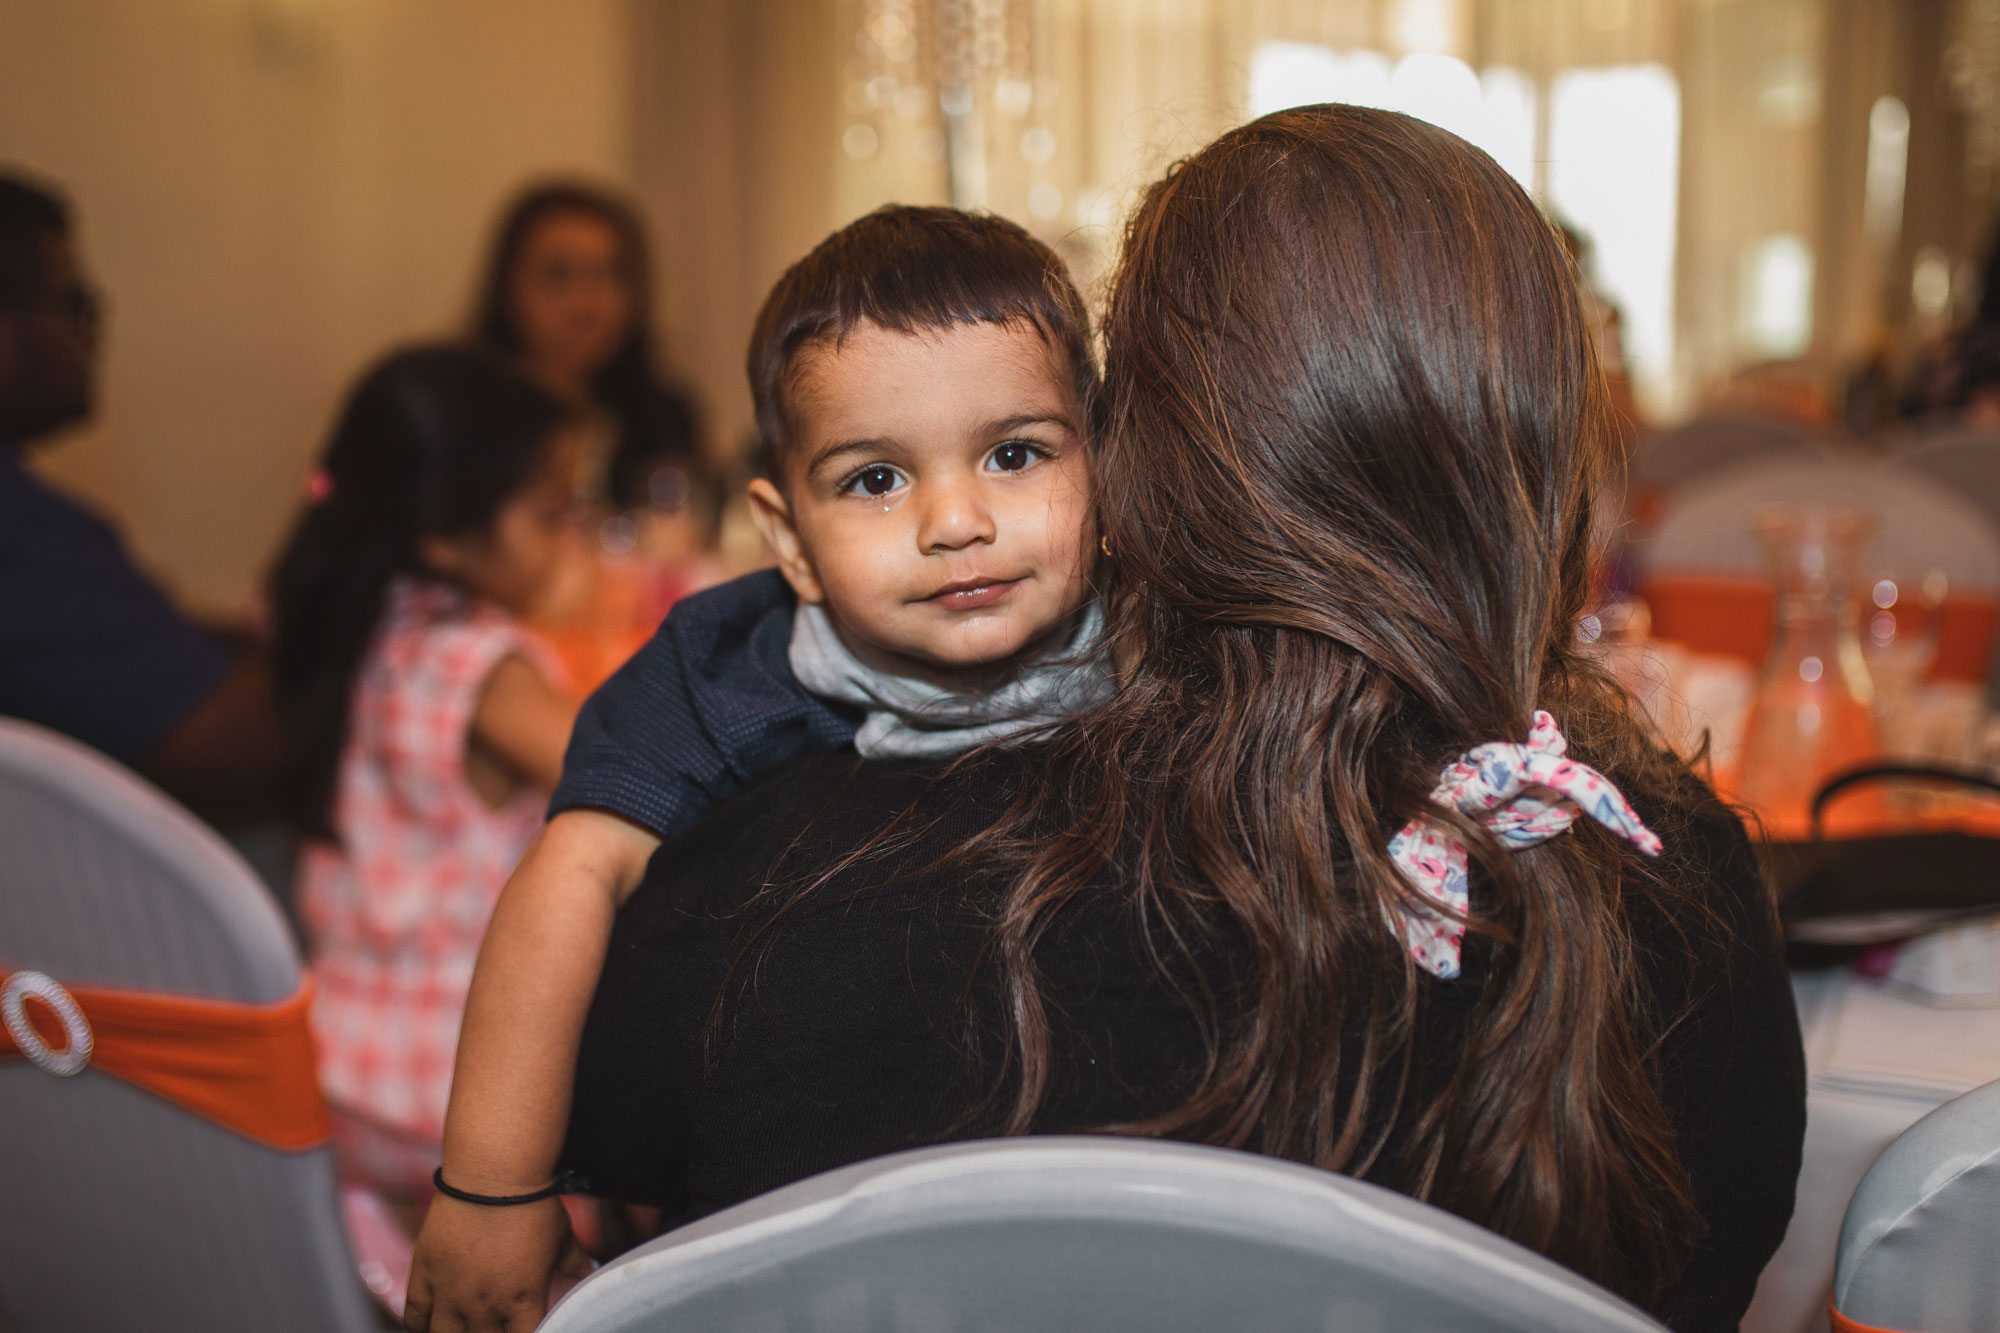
{"points": [[486, 1270]]}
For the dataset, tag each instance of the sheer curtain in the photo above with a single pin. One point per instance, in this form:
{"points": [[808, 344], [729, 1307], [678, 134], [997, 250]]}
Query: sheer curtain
{"points": [[1717, 155]]}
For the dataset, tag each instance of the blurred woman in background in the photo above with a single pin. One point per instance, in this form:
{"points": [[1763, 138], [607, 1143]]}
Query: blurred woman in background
{"points": [[566, 299]]}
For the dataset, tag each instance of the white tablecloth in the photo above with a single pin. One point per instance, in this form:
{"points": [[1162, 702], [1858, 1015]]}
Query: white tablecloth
{"points": [[1876, 1063]]}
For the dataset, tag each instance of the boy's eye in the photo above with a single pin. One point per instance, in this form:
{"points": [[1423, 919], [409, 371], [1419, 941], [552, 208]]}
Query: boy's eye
{"points": [[876, 480], [1013, 456]]}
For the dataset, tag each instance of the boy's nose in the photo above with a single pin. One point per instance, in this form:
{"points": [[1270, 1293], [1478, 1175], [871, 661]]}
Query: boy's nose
{"points": [[954, 519]]}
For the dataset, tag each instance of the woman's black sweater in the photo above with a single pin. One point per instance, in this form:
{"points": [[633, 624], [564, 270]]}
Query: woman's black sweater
{"points": [[715, 1067]]}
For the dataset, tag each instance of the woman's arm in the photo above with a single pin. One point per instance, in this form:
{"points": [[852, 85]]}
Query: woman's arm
{"points": [[531, 989]]}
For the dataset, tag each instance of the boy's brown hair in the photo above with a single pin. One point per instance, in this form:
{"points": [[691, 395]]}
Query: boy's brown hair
{"points": [[911, 270]]}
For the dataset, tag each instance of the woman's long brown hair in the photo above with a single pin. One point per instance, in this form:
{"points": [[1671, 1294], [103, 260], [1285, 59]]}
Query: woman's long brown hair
{"points": [[1353, 427]]}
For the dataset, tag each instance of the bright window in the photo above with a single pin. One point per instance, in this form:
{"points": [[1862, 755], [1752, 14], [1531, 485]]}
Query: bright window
{"points": [[1287, 74], [1611, 165], [1495, 110], [1888, 162], [1614, 173], [1775, 320]]}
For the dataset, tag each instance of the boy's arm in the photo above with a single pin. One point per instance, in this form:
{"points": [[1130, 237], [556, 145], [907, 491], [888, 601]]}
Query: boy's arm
{"points": [[706, 705], [531, 990], [510, 1091]]}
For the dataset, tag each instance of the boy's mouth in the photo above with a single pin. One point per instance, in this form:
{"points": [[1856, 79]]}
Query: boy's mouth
{"points": [[971, 593]]}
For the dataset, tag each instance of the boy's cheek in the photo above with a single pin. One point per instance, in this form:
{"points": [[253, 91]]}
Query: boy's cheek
{"points": [[857, 562]]}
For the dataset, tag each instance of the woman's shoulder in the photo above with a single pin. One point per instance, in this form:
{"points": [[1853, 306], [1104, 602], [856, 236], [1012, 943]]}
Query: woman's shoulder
{"points": [[1708, 859], [810, 815]]}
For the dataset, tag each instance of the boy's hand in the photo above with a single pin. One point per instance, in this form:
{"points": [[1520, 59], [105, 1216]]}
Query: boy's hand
{"points": [[486, 1270]]}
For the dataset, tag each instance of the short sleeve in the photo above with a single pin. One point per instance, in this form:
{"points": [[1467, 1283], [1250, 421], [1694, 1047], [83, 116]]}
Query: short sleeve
{"points": [[709, 703], [88, 646], [422, 689]]}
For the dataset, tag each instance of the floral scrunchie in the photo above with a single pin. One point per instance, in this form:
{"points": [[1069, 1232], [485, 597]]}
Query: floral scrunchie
{"points": [[1526, 794]]}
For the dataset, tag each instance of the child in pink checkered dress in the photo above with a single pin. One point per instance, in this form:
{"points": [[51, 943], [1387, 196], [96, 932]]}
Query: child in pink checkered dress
{"points": [[425, 727]]}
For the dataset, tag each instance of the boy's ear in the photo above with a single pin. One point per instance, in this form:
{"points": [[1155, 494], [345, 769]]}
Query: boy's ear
{"points": [[773, 515]]}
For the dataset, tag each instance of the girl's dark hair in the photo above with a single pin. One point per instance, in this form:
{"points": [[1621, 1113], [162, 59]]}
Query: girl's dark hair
{"points": [[911, 269], [656, 424], [432, 442], [1352, 425]]}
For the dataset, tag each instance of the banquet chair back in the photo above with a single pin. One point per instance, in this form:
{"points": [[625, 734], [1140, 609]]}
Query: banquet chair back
{"points": [[1084, 1233], [1917, 1249], [1709, 527], [1713, 441], [124, 1210], [1965, 460], [1705, 576]]}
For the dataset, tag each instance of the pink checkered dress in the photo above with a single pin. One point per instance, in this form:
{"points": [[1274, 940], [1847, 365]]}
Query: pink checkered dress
{"points": [[395, 914]]}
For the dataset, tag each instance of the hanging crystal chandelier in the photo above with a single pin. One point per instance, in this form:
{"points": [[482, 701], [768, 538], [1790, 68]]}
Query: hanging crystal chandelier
{"points": [[957, 70]]}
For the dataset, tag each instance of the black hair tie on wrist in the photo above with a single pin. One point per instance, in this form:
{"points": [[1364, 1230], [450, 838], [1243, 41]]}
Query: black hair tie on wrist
{"points": [[564, 1183]]}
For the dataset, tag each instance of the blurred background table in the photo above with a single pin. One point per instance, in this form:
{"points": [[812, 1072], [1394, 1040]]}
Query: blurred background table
{"points": [[1891, 904]]}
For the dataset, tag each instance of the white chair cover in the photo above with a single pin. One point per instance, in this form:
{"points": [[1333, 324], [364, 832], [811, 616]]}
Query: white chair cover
{"points": [[1084, 1233], [1877, 1061], [1964, 460], [1920, 1248], [1708, 527], [1716, 440], [120, 1211]]}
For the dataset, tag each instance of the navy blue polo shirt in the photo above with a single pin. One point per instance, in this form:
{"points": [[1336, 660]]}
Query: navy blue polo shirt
{"points": [[88, 646], [708, 704]]}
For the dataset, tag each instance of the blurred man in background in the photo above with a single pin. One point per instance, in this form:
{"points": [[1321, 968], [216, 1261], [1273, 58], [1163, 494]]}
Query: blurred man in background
{"points": [[88, 645]]}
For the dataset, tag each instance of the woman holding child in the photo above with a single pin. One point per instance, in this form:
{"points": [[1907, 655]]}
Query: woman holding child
{"points": [[1341, 851]]}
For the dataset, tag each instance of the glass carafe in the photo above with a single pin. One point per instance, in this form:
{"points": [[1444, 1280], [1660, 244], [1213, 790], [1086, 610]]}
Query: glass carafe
{"points": [[1813, 712]]}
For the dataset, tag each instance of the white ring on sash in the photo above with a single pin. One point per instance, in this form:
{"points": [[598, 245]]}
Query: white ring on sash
{"points": [[66, 1063]]}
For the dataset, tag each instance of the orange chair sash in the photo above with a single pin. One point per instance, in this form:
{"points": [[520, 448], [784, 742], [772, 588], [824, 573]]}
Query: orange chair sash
{"points": [[1713, 614], [1732, 617], [246, 1067]]}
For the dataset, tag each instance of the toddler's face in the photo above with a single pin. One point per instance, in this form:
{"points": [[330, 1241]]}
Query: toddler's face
{"points": [[937, 499]]}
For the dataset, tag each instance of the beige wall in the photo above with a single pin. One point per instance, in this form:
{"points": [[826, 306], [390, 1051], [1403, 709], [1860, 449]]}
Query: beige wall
{"points": [[272, 191], [735, 147]]}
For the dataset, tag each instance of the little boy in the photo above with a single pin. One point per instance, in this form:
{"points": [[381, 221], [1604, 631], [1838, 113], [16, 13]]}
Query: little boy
{"points": [[923, 383]]}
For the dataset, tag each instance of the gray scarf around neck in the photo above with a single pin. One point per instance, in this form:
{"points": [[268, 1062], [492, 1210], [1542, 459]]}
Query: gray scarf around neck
{"points": [[911, 718]]}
